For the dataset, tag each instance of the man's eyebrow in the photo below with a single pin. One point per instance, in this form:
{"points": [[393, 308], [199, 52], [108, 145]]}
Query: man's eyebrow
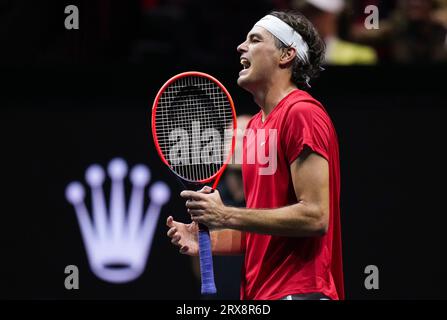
{"points": [[254, 35]]}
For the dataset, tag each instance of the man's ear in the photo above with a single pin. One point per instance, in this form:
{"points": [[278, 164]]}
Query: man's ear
{"points": [[287, 56]]}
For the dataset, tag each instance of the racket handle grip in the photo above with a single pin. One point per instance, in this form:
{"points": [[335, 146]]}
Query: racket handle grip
{"points": [[206, 261]]}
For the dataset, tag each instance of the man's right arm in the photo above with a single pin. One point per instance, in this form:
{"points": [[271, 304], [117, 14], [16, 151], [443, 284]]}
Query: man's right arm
{"points": [[226, 242]]}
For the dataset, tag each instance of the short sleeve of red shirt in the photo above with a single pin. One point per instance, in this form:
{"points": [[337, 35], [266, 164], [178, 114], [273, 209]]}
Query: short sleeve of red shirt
{"points": [[306, 124]]}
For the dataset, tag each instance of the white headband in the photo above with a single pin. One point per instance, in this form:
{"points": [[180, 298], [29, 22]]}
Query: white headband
{"points": [[285, 34]]}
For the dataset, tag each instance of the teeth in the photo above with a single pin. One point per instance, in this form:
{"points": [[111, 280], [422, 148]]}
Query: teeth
{"points": [[245, 63]]}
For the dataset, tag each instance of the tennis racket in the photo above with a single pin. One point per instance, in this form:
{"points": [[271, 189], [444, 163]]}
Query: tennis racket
{"points": [[194, 127]]}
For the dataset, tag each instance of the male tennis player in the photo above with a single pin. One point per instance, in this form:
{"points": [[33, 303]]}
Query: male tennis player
{"points": [[290, 230]]}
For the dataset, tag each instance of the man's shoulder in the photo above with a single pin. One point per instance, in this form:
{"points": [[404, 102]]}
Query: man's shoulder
{"points": [[301, 102], [304, 108]]}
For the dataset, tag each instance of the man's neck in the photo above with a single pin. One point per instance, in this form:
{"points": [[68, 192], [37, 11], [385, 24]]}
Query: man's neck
{"points": [[269, 98]]}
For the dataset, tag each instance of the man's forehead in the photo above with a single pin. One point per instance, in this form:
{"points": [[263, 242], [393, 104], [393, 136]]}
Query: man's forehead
{"points": [[257, 30]]}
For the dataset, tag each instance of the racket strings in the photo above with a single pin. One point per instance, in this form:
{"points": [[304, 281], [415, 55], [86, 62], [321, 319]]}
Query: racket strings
{"points": [[194, 122]]}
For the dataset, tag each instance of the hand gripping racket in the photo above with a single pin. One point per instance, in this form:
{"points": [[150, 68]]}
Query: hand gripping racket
{"points": [[194, 126]]}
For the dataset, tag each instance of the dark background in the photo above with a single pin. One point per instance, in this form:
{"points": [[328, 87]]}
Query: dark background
{"points": [[72, 98]]}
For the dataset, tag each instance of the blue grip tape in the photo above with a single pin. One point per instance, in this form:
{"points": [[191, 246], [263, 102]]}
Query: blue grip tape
{"points": [[206, 263]]}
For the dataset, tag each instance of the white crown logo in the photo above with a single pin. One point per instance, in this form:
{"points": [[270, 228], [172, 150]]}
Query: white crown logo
{"points": [[119, 242]]}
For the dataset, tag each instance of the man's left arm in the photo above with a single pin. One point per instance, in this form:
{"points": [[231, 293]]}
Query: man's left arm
{"points": [[308, 217]]}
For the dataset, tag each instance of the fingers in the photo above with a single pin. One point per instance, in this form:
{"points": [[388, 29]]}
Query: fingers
{"points": [[196, 208], [170, 221], [184, 249], [190, 204], [195, 213], [198, 219], [171, 232], [175, 235], [175, 240], [206, 189], [188, 194]]}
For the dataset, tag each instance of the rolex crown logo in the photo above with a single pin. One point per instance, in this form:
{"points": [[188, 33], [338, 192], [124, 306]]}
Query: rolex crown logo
{"points": [[118, 241]]}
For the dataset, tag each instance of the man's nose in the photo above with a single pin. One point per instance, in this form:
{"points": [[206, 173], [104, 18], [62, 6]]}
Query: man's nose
{"points": [[242, 47]]}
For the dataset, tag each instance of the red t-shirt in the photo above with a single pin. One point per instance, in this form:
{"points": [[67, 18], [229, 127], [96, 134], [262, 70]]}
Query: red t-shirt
{"points": [[277, 266]]}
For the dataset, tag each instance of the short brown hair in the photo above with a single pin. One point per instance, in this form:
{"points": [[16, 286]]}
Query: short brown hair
{"points": [[303, 72]]}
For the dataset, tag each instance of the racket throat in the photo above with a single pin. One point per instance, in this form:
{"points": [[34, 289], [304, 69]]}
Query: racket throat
{"points": [[189, 185]]}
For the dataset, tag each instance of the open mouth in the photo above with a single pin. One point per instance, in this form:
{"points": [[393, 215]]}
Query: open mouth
{"points": [[245, 63]]}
